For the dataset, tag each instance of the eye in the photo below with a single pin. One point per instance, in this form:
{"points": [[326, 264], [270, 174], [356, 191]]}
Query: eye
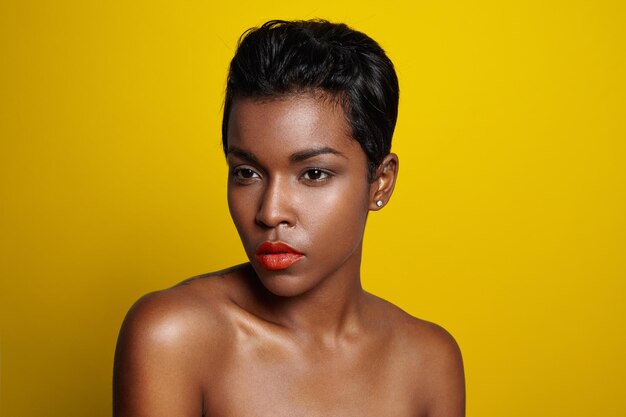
{"points": [[315, 175], [243, 174]]}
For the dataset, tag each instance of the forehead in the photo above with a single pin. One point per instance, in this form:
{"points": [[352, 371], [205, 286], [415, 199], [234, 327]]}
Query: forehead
{"points": [[290, 124]]}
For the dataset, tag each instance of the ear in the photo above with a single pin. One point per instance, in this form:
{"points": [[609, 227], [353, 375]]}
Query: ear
{"points": [[384, 182]]}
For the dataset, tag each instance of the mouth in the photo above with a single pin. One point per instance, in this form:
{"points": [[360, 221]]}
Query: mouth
{"points": [[277, 255]]}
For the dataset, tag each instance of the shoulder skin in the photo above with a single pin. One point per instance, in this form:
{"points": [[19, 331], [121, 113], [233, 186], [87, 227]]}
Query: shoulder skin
{"points": [[440, 365], [431, 359], [161, 359]]}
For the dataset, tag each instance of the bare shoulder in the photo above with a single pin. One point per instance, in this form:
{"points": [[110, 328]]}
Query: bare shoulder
{"points": [[165, 337], [426, 337], [431, 359], [170, 316], [435, 345]]}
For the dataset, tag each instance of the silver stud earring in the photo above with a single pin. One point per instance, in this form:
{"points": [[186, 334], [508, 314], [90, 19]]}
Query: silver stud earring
{"points": [[379, 203]]}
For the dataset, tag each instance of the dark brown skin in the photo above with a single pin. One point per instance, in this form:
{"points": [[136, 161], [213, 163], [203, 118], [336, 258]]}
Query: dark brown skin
{"points": [[305, 341]]}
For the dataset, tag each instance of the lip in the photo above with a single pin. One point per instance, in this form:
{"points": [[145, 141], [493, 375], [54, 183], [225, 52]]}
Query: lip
{"points": [[277, 255]]}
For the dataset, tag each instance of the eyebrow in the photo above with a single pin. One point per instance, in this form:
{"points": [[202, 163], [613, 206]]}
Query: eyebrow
{"points": [[248, 156], [295, 157], [310, 153]]}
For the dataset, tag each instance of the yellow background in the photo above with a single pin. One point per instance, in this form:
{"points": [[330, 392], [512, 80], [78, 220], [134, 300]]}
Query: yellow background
{"points": [[508, 224]]}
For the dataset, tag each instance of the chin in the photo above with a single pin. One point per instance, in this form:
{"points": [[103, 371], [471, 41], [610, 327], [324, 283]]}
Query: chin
{"points": [[283, 284]]}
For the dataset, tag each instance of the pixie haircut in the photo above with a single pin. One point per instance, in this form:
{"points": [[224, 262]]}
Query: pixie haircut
{"points": [[282, 58]]}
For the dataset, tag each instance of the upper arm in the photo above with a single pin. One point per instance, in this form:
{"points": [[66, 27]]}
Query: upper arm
{"points": [[154, 374], [446, 379]]}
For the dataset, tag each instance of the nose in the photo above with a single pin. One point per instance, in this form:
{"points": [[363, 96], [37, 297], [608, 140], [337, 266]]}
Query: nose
{"points": [[276, 205]]}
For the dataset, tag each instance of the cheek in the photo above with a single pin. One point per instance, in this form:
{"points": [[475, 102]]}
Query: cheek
{"points": [[339, 213], [240, 205]]}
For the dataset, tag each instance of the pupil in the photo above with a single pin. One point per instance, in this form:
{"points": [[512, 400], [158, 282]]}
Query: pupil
{"points": [[315, 174]]}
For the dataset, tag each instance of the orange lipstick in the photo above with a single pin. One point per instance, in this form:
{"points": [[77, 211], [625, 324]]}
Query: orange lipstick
{"points": [[277, 255]]}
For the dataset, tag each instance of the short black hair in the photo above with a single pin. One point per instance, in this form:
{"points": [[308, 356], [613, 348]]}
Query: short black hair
{"points": [[289, 57]]}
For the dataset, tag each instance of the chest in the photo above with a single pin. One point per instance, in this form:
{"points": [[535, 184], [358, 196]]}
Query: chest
{"points": [[267, 381]]}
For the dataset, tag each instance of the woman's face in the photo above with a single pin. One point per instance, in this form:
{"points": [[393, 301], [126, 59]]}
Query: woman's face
{"points": [[297, 178]]}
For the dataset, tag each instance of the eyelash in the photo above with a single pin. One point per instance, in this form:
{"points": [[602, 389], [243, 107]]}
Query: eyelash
{"points": [[323, 173], [237, 171]]}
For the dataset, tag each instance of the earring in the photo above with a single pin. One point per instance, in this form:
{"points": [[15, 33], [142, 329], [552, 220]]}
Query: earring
{"points": [[379, 203]]}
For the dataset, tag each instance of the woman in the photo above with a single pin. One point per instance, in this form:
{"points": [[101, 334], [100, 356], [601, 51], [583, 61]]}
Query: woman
{"points": [[309, 114]]}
